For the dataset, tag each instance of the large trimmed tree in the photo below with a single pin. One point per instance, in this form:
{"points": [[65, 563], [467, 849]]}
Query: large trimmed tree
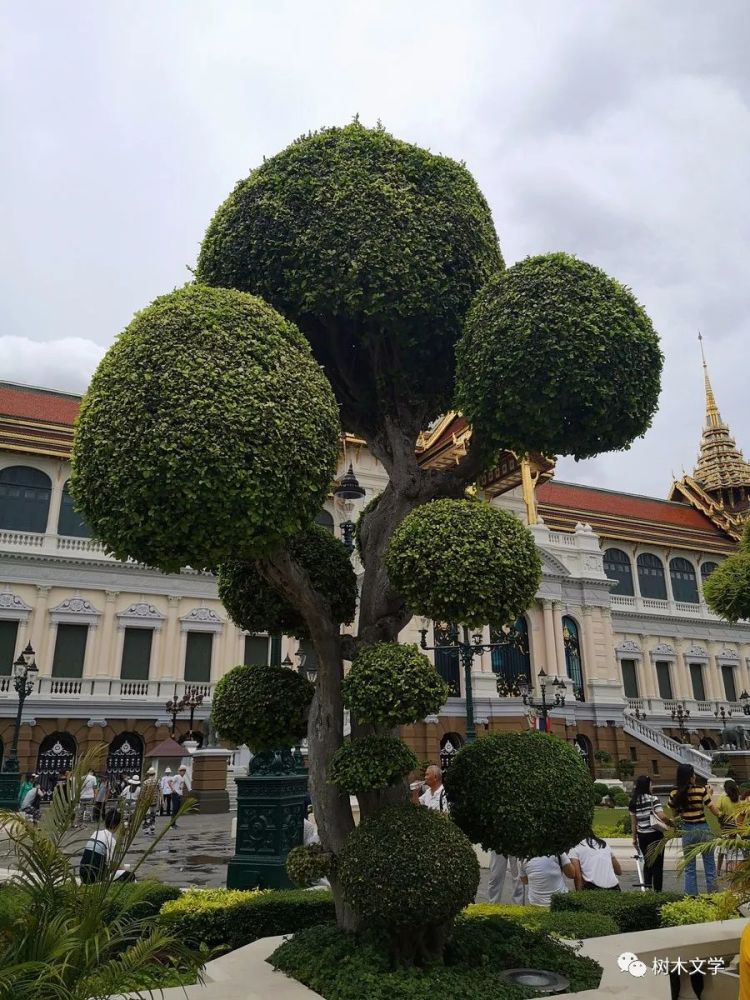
{"points": [[354, 282]]}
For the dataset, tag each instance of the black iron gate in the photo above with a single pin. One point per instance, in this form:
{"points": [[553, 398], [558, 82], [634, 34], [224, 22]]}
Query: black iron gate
{"points": [[125, 757], [57, 754], [450, 744]]}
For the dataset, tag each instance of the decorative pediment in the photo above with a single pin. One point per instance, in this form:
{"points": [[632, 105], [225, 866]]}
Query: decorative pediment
{"points": [[628, 649], [74, 611], [202, 620], [728, 654], [663, 651], [551, 565], [141, 615], [696, 652], [13, 607]]}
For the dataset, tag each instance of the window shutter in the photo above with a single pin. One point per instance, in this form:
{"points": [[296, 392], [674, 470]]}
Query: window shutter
{"points": [[198, 657], [8, 639], [70, 650], [136, 654]]}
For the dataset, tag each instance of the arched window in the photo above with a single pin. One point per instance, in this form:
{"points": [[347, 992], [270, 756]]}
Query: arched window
{"points": [[707, 569], [24, 499], [684, 584], [651, 582], [70, 521], [573, 661], [326, 520], [617, 567], [511, 660]]}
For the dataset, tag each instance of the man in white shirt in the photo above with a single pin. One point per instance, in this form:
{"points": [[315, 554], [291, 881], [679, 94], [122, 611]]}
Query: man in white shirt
{"points": [[86, 801], [180, 785], [544, 876], [434, 797], [100, 850], [165, 786]]}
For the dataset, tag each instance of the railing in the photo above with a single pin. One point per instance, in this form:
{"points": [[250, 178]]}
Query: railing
{"points": [[69, 544], [660, 741], [622, 601], [562, 538], [655, 604], [22, 539], [110, 688], [704, 706]]}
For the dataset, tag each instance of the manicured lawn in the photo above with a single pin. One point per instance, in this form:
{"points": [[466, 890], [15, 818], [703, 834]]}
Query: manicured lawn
{"points": [[608, 817]]}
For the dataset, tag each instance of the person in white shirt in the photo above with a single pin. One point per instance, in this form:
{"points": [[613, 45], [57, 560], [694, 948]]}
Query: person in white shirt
{"points": [[165, 786], [594, 865], [99, 851], [130, 795], [499, 864], [86, 800], [434, 797], [180, 785], [544, 877]]}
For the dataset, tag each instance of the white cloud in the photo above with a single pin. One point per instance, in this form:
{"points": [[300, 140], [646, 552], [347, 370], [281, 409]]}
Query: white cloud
{"points": [[66, 364]]}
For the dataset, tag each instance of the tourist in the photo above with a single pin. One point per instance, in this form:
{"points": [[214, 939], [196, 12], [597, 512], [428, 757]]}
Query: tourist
{"points": [[544, 876], [594, 865], [26, 786], [99, 852], [165, 786], [31, 806], [100, 799], [689, 800], [150, 791], [499, 864], [730, 820], [129, 797], [180, 785], [86, 799], [646, 810], [434, 797]]}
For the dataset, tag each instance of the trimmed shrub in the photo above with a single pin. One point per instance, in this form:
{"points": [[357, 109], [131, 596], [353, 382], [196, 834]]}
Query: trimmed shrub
{"points": [[699, 909], [621, 799], [557, 357], [600, 790], [263, 707], [369, 763], [156, 895], [408, 867], [727, 589], [555, 810], [633, 911], [565, 924], [308, 864], [229, 918], [254, 605], [465, 561], [207, 429], [393, 685], [375, 248]]}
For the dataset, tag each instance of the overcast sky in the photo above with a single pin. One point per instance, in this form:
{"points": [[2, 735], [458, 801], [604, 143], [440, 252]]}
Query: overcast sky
{"points": [[617, 131]]}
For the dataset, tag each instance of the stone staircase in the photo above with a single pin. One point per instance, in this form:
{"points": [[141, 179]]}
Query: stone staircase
{"points": [[679, 752]]}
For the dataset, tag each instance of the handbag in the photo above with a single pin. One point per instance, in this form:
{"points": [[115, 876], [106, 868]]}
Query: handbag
{"points": [[656, 823]]}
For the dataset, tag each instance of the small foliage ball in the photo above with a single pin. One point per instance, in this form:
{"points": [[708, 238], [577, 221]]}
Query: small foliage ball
{"points": [[369, 763], [265, 708], [309, 864], [558, 357], [254, 605], [208, 429], [408, 867], [393, 685], [727, 589], [464, 561], [520, 793]]}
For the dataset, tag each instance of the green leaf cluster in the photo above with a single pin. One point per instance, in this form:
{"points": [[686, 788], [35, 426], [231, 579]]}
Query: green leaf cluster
{"points": [[464, 561], [520, 793], [264, 707], [208, 429], [633, 911], [370, 763], [308, 864], [374, 248], [702, 909], [254, 605], [727, 589], [558, 357], [408, 867], [393, 685], [573, 925]]}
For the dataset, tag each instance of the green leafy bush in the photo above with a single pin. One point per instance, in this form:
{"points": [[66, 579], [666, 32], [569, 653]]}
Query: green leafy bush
{"points": [[699, 909], [308, 864], [369, 763], [144, 901], [633, 911], [559, 358], [207, 429], [566, 924], [621, 799], [408, 867], [342, 966], [264, 707], [393, 685], [727, 589], [465, 561], [554, 811], [600, 790], [254, 605], [375, 248], [228, 918]]}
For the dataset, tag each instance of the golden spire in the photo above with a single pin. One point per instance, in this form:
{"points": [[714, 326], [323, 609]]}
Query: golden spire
{"points": [[713, 418]]}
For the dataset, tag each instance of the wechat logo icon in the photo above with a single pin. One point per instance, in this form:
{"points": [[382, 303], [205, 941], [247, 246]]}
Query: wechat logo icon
{"points": [[629, 962]]}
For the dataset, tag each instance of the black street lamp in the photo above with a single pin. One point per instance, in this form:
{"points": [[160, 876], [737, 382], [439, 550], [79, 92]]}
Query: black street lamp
{"points": [[558, 699], [25, 672], [680, 715], [723, 714], [347, 490], [174, 708], [636, 713], [192, 700], [308, 667]]}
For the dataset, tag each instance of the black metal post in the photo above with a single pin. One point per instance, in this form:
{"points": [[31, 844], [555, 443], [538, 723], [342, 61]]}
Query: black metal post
{"points": [[347, 531], [11, 762], [467, 655]]}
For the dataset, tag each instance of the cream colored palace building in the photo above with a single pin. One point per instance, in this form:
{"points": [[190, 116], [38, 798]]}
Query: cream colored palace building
{"points": [[619, 616]]}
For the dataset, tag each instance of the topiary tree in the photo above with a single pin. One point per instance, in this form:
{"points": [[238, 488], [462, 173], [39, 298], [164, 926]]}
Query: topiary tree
{"points": [[370, 763], [308, 864], [727, 589], [552, 812], [211, 427]]}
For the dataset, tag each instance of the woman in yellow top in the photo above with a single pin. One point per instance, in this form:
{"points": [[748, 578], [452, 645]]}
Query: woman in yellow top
{"points": [[729, 820], [745, 964], [689, 800]]}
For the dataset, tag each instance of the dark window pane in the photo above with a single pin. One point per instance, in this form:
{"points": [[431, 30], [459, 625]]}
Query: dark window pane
{"points": [[511, 659], [70, 650], [696, 679], [136, 654], [69, 522], [727, 673], [573, 659], [24, 499], [275, 650], [325, 519], [617, 567], [8, 639], [664, 679], [198, 657], [256, 650], [651, 582], [629, 678], [707, 569], [684, 584]]}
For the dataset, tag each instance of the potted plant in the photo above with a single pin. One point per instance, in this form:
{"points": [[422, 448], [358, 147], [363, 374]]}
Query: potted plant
{"points": [[625, 769], [720, 765], [604, 764]]}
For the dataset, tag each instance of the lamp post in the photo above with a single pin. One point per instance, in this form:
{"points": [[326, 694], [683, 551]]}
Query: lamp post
{"points": [[558, 699], [174, 707], [192, 699], [25, 672], [723, 714], [308, 667], [745, 700], [680, 715], [347, 490]]}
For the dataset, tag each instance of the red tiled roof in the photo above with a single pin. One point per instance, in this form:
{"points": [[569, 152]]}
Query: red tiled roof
{"points": [[45, 405]]}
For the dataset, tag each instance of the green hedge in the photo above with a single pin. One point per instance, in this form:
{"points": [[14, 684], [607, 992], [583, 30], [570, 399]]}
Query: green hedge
{"points": [[566, 924], [230, 918], [151, 896], [700, 909], [632, 911]]}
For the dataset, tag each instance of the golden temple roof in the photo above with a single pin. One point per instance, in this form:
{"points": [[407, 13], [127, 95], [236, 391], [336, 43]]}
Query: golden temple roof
{"points": [[721, 464]]}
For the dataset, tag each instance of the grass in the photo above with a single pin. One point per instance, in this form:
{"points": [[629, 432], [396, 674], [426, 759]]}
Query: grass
{"points": [[608, 817]]}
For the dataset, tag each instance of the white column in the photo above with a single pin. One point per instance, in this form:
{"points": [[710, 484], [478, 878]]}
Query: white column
{"points": [[39, 630], [588, 649], [549, 639], [167, 668], [103, 640], [560, 668]]}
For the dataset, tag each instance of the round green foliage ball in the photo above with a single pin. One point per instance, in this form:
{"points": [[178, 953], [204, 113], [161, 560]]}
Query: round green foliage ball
{"points": [[207, 429], [520, 793], [374, 247], [727, 589], [464, 561], [265, 708], [254, 605], [407, 867], [558, 357], [309, 864], [393, 685], [370, 763]]}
